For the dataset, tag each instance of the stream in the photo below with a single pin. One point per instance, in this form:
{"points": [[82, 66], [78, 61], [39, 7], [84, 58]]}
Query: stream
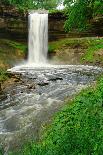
{"points": [[38, 95]]}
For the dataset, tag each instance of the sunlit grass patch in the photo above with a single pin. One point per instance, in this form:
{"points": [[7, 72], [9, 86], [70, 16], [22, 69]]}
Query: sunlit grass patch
{"points": [[93, 48]]}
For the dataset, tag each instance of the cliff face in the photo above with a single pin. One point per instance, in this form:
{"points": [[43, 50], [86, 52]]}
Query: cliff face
{"points": [[98, 25], [15, 24], [11, 12]]}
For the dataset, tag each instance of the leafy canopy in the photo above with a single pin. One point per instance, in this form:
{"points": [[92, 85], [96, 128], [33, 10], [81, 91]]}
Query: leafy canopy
{"points": [[81, 12], [32, 4]]}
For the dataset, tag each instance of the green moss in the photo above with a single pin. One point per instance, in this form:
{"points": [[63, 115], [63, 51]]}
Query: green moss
{"points": [[14, 44], [93, 47], [3, 75], [73, 43], [11, 52], [55, 11], [90, 47]]}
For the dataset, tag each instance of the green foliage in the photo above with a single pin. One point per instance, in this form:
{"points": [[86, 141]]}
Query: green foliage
{"points": [[93, 47], [11, 52], [81, 12], [71, 43], [17, 45], [14, 45], [54, 11], [3, 75], [77, 129], [32, 4], [98, 8], [51, 48], [1, 151]]}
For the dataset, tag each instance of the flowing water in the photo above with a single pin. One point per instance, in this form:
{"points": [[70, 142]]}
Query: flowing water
{"points": [[40, 91], [38, 38]]}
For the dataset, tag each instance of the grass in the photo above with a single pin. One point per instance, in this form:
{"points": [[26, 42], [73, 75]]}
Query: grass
{"points": [[3, 75], [76, 130], [15, 45], [90, 47], [53, 11], [93, 48], [65, 43], [11, 52]]}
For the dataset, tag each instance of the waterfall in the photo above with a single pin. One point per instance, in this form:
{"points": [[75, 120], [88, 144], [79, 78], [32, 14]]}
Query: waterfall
{"points": [[38, 38]]}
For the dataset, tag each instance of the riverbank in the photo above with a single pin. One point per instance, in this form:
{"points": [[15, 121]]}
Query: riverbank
{"points": [[85, 51], [76, 129], [60, 84], [11, 53], [75, 51]]}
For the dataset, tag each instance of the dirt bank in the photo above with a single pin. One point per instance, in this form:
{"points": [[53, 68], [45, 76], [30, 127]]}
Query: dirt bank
{"points": [[85, 51]]}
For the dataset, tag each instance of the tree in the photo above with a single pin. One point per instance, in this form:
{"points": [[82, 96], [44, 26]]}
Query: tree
{"points": [[81, 12], [32, 4]]}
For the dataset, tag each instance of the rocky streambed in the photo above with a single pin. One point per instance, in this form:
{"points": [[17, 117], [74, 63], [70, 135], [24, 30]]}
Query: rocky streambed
{"points": [[33, 99]]}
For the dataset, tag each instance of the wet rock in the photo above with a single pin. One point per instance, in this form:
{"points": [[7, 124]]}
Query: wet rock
{"points": [[17, 80], [3, 96], [14, 75], [43, 83], [55, 79], [31, 86]]}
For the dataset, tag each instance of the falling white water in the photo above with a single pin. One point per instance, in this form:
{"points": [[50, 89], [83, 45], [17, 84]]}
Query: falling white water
{"points": [[38, 38]]}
